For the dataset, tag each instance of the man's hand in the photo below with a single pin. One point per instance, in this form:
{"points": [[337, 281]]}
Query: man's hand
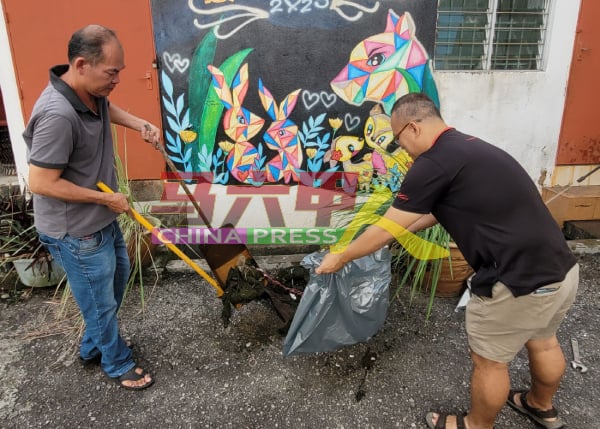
{"points": [[117, 202], [151, 134], [148, 131], [331, 263]]}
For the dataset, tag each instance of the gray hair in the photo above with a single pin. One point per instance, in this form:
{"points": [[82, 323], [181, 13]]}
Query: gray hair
{"points": [[416, 105], [88, 42]]}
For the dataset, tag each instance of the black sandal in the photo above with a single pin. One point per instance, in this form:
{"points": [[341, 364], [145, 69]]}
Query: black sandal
{"points": [[441, 421], [133, 375], [535, 414]]}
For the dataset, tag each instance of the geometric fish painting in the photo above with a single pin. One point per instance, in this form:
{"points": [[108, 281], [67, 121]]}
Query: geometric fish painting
{"points": [[257, 92]]}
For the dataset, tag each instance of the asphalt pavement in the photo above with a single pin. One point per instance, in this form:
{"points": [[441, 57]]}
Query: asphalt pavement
{"points": [[211, 377]]}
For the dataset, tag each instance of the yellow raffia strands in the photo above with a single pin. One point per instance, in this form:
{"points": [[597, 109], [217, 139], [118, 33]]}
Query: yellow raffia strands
{"points": [[415, 245]]}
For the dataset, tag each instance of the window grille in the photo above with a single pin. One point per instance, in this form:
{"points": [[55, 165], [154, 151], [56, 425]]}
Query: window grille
{"points": [[490, 34]]}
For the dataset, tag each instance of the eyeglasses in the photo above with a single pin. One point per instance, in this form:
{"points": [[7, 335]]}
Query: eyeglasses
{"points": [[397, 136]]}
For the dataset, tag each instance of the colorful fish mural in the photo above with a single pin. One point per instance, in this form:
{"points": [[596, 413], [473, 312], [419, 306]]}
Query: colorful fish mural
{"points": [[282, 136], [385, 66], [335, 120], [239, 123]]}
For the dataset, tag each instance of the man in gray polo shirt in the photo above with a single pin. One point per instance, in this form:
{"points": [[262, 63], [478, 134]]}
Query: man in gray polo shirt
{"points": [[70, 147]]}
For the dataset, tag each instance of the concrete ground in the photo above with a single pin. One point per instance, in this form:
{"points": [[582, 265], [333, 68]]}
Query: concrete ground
{"points": [[211, 377]]}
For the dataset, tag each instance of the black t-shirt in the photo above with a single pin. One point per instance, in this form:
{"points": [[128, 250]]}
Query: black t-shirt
{"points": [[493, 211]]}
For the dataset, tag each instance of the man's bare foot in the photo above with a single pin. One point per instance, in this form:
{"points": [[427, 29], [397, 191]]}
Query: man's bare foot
{"points": [[450, 421], [135, 379]]}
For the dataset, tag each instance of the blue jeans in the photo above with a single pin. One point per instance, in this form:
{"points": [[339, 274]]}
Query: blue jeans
{"points": [[97, 268]]}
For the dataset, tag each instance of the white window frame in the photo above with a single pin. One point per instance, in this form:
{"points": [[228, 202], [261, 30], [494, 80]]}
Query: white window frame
{"points": [[488, 43]]}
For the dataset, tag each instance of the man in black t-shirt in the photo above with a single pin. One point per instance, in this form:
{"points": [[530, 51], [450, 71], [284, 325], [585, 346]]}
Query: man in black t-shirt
{"points": [[526, 276]]}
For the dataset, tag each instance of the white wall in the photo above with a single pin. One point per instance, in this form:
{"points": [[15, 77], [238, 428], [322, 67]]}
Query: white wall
{"points": [[520, 112], [12, 102]]}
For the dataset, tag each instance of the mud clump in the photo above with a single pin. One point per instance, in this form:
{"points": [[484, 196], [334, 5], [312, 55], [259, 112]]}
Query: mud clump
{"points": [[283, 289]]}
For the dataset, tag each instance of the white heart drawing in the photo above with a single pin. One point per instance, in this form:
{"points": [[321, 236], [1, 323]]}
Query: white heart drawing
{"points": [[309, 99], [328, 99], [175, 62], [351, 122]]}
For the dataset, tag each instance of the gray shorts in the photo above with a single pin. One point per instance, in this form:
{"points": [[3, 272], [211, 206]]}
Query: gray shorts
{"points": [[498, 327]]}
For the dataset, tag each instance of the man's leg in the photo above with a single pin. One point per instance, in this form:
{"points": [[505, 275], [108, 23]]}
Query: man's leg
{"points": [[123, 267], [546, 358], [494, 340], [489, 388], [547, 366], [90, 265]]}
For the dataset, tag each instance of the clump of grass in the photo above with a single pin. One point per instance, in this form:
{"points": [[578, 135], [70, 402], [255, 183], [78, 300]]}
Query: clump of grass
{"points": [[136, 237]]}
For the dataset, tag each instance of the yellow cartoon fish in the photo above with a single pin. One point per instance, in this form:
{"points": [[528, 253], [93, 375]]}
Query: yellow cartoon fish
{"points": [[379, 136], [355, 158]]}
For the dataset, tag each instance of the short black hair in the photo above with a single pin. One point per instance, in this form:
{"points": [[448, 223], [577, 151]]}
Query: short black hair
{"points": [[416, 105], [88, 42]]}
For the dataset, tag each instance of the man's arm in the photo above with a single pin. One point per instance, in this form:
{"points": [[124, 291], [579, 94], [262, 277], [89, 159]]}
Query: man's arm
{"points": [[49, 183], [374, 238], [148, 131], [423, 222]]}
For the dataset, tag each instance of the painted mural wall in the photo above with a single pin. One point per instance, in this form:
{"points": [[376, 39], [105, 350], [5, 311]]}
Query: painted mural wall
{"points": [[287, 102], [521, 112]]}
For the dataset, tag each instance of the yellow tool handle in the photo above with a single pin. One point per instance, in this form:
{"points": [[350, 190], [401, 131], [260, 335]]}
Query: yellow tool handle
{"points": [[155, 232]]}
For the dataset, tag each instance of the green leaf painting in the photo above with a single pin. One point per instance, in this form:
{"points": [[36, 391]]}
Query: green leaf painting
{"points": [[198, 87], [213, 108], [429, 87]]}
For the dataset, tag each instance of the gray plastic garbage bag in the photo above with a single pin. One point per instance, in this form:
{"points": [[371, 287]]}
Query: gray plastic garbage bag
{"points": [[342, 308]]}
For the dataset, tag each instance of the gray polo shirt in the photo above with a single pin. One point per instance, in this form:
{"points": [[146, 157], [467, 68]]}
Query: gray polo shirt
{"points": [[64, 134]]}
